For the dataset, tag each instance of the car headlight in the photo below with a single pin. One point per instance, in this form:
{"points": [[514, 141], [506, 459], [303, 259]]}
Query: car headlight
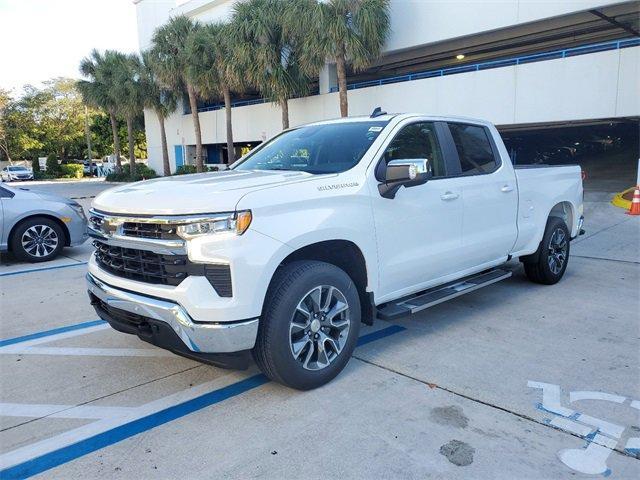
{"points": [[236, 222]]}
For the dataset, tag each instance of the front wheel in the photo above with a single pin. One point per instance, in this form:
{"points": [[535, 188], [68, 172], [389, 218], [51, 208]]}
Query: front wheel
{"points": [[549, 263], [310, 325], [37, 239]]}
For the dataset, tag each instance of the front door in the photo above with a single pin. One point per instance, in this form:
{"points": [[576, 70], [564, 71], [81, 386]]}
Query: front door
{"points": [[179, 154], [419, 232]]}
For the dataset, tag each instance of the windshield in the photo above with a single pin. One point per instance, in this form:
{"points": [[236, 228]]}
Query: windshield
{"points": [[18, 169], [328, 148]]}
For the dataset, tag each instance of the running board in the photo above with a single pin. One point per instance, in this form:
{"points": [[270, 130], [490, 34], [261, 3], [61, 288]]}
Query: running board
{"points": [[442, 293]]}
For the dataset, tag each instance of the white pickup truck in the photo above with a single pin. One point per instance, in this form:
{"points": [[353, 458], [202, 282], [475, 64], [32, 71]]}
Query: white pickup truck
{"points": [[322, 228]]}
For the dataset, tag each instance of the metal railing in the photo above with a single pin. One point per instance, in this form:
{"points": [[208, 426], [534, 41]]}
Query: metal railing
{"points": [[475, 67]]}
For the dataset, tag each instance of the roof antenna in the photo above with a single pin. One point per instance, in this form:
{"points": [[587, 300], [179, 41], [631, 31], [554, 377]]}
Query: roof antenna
{"points": [[377, 112]]}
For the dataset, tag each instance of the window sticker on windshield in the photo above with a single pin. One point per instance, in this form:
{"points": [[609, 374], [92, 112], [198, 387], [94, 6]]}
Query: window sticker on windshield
{"points": [[375, 129]]}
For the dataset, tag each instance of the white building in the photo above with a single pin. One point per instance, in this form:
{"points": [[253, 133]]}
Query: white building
{"points": [[528, 65]]}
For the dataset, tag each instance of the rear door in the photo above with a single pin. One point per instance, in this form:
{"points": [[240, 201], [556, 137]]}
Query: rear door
{"points": [[490, 194]]}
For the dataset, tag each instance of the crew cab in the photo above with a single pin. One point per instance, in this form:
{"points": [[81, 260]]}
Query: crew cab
{"points": [[322, 228]]}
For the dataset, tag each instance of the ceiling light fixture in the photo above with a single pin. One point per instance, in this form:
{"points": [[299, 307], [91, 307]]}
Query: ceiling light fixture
{"points": [[460, 56]]}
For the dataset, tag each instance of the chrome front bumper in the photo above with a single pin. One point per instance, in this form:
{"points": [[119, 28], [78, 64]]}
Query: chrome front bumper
{"points": [[197, 337]]}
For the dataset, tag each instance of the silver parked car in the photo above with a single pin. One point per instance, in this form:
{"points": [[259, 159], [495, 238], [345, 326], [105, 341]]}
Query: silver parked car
{"points": [[37, 226], [14, 173]]}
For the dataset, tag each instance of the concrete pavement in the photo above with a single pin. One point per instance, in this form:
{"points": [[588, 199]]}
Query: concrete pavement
{"points": [[513, 381]]}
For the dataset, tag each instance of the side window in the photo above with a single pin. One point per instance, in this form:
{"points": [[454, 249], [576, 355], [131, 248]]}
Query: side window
{"points": [[474, 149], [4, 193], [417, 141]]}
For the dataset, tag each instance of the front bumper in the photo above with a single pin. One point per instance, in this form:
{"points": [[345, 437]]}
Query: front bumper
{"points": [[143, 315]]}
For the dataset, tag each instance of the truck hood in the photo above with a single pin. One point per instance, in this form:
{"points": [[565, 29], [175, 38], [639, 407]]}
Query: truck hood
{"points": [[185, 194]]}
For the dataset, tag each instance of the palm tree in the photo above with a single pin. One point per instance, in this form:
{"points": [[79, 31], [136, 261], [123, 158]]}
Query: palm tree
{"points": [[349, 32], [128, 96], [98, 90], [269, 51], [213, 70], [154, 96], [170, 48]]}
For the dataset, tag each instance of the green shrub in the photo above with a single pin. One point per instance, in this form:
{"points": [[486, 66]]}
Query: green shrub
{"points": [[35, 165], [52, 165], [43, 176], [185, 170], [71, 170], [142, 173]]}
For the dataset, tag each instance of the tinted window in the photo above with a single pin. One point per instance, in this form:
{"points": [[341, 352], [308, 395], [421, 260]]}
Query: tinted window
{"points": [[474, 148], [329, 148], [416, 141], [4, 193]]}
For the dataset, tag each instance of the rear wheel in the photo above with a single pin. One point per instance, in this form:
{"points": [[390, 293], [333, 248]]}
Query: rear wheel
{"points": [[37, 239], [548, 264], [310, 325]]}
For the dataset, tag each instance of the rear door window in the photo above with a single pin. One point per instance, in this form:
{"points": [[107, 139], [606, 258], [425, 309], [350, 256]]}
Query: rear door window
{"points": [[474, 149]]}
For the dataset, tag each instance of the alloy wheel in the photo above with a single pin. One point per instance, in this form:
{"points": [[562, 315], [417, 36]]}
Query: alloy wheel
{"points": [[558, 247], [39, 240], [319, 327]]}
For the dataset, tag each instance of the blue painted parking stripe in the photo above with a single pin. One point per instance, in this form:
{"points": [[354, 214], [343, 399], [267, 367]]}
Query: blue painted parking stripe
{"points": [[66, 454], [385, 332], [42, 269], [48, 333]]}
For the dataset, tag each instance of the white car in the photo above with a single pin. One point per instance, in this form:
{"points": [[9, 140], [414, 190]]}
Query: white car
{"points": [[15, 173], [322, 228]]}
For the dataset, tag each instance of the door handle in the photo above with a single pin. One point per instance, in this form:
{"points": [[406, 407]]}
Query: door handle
{"points": [[449, 196], [506, 189]]}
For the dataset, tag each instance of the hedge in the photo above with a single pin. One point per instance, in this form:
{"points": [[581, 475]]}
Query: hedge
{"points": [[70, 170]]}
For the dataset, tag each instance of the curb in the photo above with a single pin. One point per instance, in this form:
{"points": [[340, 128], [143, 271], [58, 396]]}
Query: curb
{"points": [[618, 199]]}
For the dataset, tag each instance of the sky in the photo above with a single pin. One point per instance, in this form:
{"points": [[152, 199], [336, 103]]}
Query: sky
{"points": [[43, 39]]}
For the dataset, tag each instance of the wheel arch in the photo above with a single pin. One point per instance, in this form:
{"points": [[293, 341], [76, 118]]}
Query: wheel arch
{"points": [[60, 223], [344, 254]]}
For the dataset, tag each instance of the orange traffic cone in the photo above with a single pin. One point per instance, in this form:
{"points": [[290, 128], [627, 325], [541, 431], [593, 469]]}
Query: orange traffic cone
{"points": [[634, 209]]}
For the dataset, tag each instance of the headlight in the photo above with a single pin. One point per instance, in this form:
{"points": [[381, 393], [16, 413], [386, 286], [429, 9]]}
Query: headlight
{"points": [[237, 223]]}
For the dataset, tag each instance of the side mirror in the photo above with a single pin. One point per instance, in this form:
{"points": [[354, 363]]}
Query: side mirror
{"points": [[409, 172]]}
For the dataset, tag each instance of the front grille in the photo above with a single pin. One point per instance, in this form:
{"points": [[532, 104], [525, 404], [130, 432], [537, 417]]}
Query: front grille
{"points": [[150, 267], [142, 265], [150, 230]]}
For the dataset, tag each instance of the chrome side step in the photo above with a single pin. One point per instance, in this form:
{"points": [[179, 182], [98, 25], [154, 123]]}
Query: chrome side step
{"points": [[439, 294]]}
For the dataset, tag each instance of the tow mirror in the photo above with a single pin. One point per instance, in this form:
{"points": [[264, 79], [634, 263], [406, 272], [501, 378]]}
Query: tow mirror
{"points": [[409, 172]]}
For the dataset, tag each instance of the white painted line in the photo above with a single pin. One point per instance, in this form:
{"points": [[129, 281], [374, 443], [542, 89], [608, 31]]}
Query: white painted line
{"points": [[605, 427], [584, 395], [551, 398], [42, 447], [62, 411], [591, 460], [633, 443], [571, 426], [88, 352]]}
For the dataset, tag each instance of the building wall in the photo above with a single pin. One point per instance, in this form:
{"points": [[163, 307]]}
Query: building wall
{"points": [[598, 85]]}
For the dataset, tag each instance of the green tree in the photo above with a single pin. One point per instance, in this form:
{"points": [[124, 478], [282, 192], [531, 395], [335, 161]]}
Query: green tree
{"points": [[98, 91], [43, 121], [170, 43], [154, 96], [127, 91], [269, 49], [5, 102], [349, 32], [213, 69]]}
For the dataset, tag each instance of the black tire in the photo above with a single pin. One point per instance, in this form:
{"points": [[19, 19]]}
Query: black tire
{"points": [[274, 349], [42, 253], [544, 266]]}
